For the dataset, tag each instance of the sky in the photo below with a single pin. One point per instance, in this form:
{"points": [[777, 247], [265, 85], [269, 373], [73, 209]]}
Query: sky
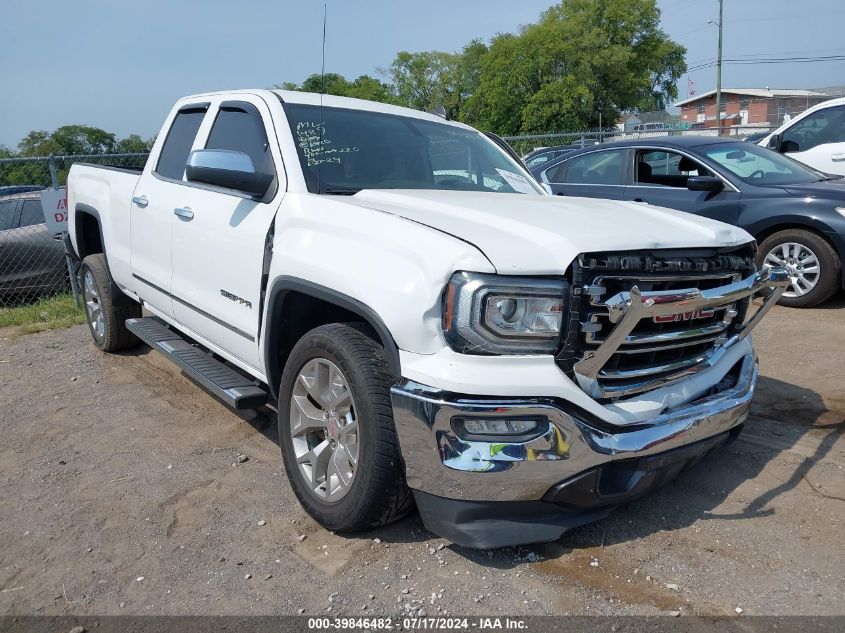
{"points": [[119, 64]]}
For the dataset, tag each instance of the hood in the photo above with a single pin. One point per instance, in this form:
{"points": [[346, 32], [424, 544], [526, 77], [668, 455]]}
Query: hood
{"points": [[829, 189], [525, 234]]}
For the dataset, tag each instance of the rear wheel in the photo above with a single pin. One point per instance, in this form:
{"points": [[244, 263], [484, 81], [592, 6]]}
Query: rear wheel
{"points": [[106, 307], [336, 430], [813, 266]]}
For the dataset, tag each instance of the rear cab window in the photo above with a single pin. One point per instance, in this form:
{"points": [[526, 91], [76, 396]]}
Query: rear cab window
{"points": [[180, 139]]}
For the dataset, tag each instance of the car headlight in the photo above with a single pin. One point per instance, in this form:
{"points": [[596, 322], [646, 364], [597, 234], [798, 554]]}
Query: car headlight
{"points": [[841, 211], [495, 314]]}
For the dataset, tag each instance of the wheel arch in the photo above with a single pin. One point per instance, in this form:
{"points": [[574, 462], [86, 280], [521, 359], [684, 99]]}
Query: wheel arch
{"points": [[295, 306], [88, 231]]}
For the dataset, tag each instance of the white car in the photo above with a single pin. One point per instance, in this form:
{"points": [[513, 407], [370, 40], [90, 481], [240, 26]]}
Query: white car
{"points": [[815, 137], [432, 326]]}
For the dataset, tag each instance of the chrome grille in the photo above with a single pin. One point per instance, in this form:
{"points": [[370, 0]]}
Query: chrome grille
{"points": [[659, 350]]}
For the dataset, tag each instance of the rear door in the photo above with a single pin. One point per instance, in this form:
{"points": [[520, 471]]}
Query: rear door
{"points": [[158, 192], [660, 178], [219, 245], [596, 174], [818, 140]]}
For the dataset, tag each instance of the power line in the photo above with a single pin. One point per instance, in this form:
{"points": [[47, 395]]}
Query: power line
{"points": [[771, 60]]}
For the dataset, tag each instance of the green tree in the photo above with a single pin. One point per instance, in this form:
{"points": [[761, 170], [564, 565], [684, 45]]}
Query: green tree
{"points": [[134, 144], [583, 62], [429, 79], [364, 87], [68, 139]]}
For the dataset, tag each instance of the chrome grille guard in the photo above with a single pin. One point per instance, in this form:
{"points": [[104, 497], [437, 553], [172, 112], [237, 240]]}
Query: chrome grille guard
{"points": [[626, 309]]}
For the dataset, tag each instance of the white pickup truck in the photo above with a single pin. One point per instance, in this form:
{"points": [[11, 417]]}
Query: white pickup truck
{"points": [[431, 326]]}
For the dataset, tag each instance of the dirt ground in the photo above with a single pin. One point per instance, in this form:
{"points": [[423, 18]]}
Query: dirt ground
{"points": [[121, 493]]}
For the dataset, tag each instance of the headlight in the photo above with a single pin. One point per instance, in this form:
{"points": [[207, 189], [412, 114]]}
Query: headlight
{"points": [[841, 211], [494, 314]]}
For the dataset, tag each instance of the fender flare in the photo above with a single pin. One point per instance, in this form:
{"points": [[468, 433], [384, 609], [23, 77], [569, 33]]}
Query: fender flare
{"points": [[80, 240], [275, 298]]}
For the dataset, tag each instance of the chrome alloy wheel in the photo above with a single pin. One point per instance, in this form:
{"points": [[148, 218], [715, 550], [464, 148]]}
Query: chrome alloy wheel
{"points": [[800, 261], [324, 429], [93, 309]]}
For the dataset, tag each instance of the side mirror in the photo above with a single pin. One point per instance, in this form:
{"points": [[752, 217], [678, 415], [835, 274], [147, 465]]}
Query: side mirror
{"points": [[789, 146], [228, 169], [704, 183], [774, 142]]}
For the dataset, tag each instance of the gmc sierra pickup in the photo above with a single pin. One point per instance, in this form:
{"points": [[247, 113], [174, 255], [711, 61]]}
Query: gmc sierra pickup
{"points": [[431, 326]]}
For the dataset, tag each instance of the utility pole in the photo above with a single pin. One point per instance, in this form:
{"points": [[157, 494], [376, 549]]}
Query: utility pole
{"points": [[719, 72]]}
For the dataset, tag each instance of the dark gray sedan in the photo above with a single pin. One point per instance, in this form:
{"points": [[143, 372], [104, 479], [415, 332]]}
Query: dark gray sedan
{"points": [[796, 213], [32, 261]]}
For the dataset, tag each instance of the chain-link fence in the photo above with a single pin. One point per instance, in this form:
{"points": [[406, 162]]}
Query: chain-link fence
{"points": [[526, 144], [33, 262]]}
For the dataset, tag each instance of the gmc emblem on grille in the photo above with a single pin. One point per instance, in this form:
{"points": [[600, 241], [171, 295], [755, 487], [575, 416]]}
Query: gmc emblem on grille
{"points": [[703, 313]]}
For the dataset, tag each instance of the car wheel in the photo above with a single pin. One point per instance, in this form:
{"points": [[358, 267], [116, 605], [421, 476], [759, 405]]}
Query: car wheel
{"points": [[813, 266], [106, 307], [336, 430]]}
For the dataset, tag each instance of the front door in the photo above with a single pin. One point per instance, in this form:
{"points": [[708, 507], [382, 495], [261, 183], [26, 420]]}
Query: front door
{"points": [[219, 235], [660, 178]]}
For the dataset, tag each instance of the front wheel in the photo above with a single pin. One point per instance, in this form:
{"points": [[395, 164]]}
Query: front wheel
{"points": [[336, 430], [813, 266]]}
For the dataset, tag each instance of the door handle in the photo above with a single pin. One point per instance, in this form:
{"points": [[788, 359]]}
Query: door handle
{"points": [[141, 201], [184, 212], [837, 157]]}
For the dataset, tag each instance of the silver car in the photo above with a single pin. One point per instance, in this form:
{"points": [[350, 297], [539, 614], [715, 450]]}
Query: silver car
{"points": [[32, 261]]}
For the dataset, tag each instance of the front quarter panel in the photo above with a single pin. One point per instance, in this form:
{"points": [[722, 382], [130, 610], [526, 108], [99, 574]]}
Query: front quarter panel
{"points": [[395, 267], [762, 216]]}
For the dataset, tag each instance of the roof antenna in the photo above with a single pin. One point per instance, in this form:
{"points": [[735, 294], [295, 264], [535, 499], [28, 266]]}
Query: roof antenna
{"points": [[322, 90]]}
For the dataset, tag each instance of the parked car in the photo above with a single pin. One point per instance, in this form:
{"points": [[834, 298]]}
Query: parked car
{"points": [[32, 262], [796, 213], [756, 137], [815, 137], [655, 127], [8, 190], [432, 325], [537, 157]]}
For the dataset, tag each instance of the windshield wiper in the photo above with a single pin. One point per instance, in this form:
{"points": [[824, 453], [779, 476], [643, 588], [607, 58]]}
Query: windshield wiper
{"points": [[340, 191]]}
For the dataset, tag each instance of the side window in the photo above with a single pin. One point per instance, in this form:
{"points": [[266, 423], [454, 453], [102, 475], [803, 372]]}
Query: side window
{"points": [[824, 126], [7, 210], [239, 128], [32, 213], [595, 168], [177, 145], [669, 169]]}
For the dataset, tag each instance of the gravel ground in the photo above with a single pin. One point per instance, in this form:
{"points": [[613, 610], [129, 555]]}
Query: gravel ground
{"points": [[124, 493]]}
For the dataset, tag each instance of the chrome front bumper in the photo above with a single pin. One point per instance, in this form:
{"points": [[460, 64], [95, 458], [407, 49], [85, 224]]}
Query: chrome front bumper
{"points": [[440, 462], [627, 309]]}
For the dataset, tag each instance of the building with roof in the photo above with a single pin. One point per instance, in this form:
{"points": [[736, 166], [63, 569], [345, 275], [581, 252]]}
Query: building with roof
{"points": [[748, 106]]}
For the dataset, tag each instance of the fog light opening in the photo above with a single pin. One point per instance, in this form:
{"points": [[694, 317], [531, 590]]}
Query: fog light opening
{"points": [[492, 429]]}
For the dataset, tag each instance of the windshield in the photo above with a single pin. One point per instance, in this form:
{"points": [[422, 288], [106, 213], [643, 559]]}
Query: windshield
{"points": [[760, 166], [343, 151]]}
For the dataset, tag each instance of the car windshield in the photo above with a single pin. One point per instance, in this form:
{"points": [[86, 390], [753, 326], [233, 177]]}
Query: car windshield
{"points": [[343, 151], [760, 166]]}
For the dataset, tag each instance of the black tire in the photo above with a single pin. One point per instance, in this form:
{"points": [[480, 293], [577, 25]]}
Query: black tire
{"points": [[116, 307], [378, 493], [829, 265]]}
